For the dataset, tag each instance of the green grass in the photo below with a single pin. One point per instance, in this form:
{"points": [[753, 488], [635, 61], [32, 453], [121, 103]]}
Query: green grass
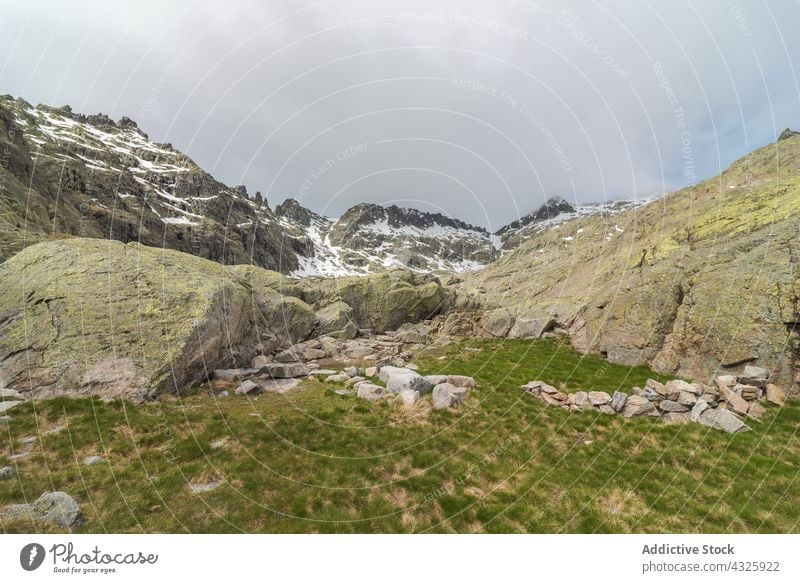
{"points": [[313, 461]]}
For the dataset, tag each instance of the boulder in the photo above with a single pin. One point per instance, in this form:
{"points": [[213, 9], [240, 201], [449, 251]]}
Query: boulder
{"points": [[754, 375], [537, 387], [607, 409], [597, 398], [408, 398], [7, 472], [57, 508], [530, 327], [676, 417], [288, 355], [618, 401], [657, 387], [462, 381], [637, 406], [259, 361], [277, 386], [436, 379], [286, 370], [675, 386], [400, 379], [581, 399], [688, 399], [725, 380], [446, 395], [233, 374], [337, 378], [370, 371], [336, 320], [747, 392], [498, 322], [412, 337], [756, 410], [352, 371], [248, 387], [723, 420], [775, 394]]}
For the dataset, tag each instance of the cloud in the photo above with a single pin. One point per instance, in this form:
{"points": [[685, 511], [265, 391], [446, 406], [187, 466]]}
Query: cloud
{"points": [[479, 110]]}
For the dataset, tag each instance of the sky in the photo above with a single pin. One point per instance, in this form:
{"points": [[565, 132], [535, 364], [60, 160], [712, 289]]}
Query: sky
{"points": [[479, 110]]}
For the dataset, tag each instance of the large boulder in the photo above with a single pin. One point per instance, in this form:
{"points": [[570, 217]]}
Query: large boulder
{"points": [[446, 396], [403, 379], [57, 508], [723, 420]]}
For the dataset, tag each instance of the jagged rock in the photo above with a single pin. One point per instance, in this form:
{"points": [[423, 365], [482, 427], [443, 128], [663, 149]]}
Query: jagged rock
{"points": [[412, 337], [723, 420], [498, 322], [530, 327], [370, 371], [688, 399], [288, 355], [408, 398], [446, 396], [697, 410], [775, 394], [7, 472], [598, 398], [726, 380], [672, 406], [735, 401], [651, 394], [637, 406], [618, 401], [656, 386], [248, 387], [754, 375], [354, 380], [537, 387]]}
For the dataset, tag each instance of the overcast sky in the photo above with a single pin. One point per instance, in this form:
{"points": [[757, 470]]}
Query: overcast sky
{"points": [[477, 109]]}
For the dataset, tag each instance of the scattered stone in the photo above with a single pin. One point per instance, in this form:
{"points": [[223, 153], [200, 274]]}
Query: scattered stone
{"points": [[708, 398], [248, 387], [747, 392], [353, 380], [371, 391], [370, 371], [223, 394], [656, 386], [352, 371], [8, 405], [580, 399], [219, 443], [207, 487], [687, 399], [677, 385], [462, 381], [651, 394], [343, 392], [638, 406], [723, 420], [735, 401], [672, 406], [28, 439], [537, 387], [775, 395], [54, 430], [618, 401], [447, 395], [360, 352], [312, 366], [92, 460], [598, 398], [697, 410], [19, 456], [408, 398], [7, 473], [321, 372], [754, 375]]}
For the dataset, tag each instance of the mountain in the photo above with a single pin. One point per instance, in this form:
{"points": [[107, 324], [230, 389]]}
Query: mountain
{"points": [[702, 280], [556, 211], [369, 238], [67, 174]]}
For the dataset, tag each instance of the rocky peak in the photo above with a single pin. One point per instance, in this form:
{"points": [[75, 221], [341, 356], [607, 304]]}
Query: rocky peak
{"points": [[787, 133], [551, 208], [292, 210]]}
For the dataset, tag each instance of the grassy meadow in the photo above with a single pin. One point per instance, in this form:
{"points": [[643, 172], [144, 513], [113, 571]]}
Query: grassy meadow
{"points": [[316, 461]]}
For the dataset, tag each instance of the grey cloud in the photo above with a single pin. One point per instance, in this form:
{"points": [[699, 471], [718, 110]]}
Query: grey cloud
{"points": [[480, 110]]}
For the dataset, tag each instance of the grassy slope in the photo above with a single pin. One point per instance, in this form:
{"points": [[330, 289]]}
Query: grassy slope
{"points": [[314, 461]]}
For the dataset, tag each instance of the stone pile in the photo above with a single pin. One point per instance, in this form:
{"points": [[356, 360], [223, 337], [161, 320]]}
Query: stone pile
{"points": [[723, 406]]}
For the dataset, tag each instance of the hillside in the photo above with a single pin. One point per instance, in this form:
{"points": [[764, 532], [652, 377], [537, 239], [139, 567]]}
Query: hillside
{"points": [[703, 279]]}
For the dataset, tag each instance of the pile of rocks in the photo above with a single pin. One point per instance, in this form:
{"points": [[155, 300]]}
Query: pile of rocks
{"points": [[723, 406]]}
